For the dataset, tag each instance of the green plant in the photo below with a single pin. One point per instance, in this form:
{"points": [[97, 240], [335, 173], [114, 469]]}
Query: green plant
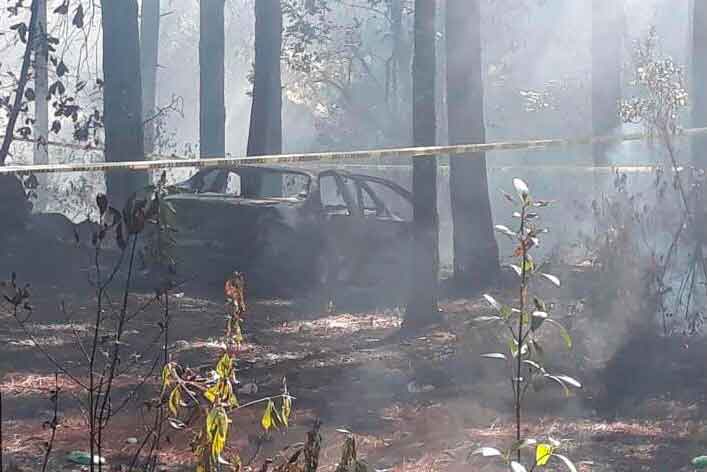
{"points": [[103, 347], [213, 398], [523, 326]]}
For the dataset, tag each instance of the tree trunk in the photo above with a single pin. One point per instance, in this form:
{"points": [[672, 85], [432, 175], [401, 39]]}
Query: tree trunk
{"points": [[265, 135], [699, 106], [422, 304], [41, 87], [476, 262], [607, 24], [395, 9], [149, 56], [212, 108], [699, 79], [122, 96]]}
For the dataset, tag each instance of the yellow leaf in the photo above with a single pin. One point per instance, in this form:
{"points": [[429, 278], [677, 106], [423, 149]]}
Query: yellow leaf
{"points": [[231, 396], [286, 409], [211, 393], [175, 399], [166, 374], [200, 468], [224, 366], [217, 429], [266, 422], [543, 453]]}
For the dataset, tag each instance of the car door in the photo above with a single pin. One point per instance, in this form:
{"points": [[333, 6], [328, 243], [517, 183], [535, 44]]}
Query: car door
{"points": [[386, 210], [342, 224]]}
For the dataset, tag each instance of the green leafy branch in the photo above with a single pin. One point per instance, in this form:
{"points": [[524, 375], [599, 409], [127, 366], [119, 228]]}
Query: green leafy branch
{"points": [[524, 324]]}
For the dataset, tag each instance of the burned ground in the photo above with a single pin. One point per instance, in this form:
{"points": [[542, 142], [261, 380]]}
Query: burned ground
{"points": [[418, 404]]}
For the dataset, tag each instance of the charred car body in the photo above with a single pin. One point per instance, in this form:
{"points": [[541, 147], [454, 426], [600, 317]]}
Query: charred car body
{"points": [[293, 229]]}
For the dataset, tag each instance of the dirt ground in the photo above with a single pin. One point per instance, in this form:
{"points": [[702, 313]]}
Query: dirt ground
{"points": [[421, 404]]}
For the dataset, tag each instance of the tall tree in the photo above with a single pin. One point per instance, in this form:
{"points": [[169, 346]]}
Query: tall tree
{"points": [[265, 134], [607, 26], [149, 57], [699, 79], [699, 106], [422, 304], [212, 107], [475, 249], [122, 96], [41, 86]]}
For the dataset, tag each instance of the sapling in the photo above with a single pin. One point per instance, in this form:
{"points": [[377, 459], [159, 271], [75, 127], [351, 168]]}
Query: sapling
{"points": [[213, 399], [523, 325]]}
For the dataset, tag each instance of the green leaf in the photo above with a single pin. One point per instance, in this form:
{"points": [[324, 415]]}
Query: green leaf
{"points": [[700, 462], [522, 189], [506, 312], [486, 452], [533, 364], [492, 301], [567, 462], [555, 280], [538, 318], [513, 347], [569, 380], [505, 230], [527, 442], [539, 304], [564, 380], [484, 319], [563, 332], [543, 453], [495, 355], [508, 196], [517, 467]]}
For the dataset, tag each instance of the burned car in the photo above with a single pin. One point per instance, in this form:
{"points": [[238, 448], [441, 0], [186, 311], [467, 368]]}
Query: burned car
{"points": [[293, 229]]}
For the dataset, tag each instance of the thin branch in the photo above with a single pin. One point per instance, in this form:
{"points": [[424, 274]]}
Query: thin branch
{"points": [[21, 84]]}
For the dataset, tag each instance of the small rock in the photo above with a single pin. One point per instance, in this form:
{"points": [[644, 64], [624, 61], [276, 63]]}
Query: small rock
{"points": [[131, 441], [414, 387]]}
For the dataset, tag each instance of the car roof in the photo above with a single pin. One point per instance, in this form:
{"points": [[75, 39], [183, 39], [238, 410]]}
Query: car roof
{"points": [[256, 169]]}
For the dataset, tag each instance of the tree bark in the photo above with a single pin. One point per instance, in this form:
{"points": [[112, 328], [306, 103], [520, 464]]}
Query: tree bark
{"points": [[149, 57], [607, 24], [476, 261], [41, 87], [265, 134], [422, 304], [122, 96], [212, 108]]}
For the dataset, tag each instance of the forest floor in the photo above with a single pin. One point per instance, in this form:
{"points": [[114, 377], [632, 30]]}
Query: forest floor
{"points": [[416, 405]]}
